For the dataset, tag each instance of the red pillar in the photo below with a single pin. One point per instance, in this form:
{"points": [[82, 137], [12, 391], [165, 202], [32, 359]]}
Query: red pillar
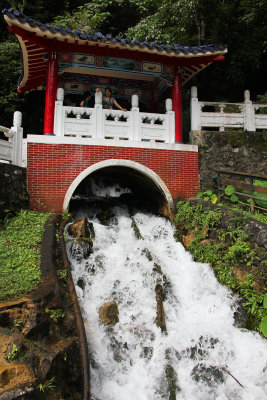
{"points": [[50, 95], [177, 106]]}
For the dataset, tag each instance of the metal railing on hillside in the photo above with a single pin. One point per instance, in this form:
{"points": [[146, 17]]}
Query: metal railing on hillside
{"points": [[244, 185]]}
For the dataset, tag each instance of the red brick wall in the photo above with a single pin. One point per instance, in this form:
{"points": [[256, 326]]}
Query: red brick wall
{"points": [[53, 167]]}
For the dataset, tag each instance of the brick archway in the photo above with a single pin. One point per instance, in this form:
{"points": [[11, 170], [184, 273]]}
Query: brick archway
{"points": [[123, 163]]}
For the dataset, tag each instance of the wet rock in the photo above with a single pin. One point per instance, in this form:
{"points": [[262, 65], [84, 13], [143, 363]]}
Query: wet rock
{"points": [[261, 238], [81, 249], [172, 382], [160, 319], [108, 313], [147, 253], [157, 268], [82, 228], [81, 283], [136, 229], [105, 216], [210, 375], [147, 353]]}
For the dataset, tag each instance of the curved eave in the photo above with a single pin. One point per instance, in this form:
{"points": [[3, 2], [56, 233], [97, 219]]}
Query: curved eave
{"points": [[35, 42], [34, 66]]}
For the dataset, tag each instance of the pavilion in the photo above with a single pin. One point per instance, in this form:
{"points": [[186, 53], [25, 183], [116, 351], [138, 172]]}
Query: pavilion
{"points": [[55, 57]]}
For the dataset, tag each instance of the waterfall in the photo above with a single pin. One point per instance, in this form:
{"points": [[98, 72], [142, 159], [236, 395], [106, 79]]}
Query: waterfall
{"points": [[200, 354]]}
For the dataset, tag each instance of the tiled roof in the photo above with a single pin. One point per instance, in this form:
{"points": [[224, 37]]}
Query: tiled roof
{"points": [[37, 39], [99, 37]]}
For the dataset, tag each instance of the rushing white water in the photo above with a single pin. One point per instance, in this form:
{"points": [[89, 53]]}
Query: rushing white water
{"points": [[129, 359]]}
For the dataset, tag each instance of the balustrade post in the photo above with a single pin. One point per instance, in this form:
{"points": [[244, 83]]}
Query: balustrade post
{"points": [[16, 138], [249, 113], [195, 110], [222, 107], [99, 117], [135, 129], [170, 135], [59, 121]]}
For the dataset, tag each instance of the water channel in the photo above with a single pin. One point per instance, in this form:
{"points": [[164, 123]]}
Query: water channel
{"points": [[201, 355]]}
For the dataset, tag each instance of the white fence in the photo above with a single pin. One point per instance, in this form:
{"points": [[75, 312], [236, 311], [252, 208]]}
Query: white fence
{"points": [[98, 123], [11, 149], [229, 115]]}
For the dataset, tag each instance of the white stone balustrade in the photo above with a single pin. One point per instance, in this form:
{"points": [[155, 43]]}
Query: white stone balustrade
{"points": [[11, 149], [244, 115], [98, 123]]}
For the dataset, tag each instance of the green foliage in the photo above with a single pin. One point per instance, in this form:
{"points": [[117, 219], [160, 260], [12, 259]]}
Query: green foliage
{"points": [[263, 324], [10, 64], [20, 239], [107, 16], [262, 99], [48, 385], [17, 324], [230, 248], [56, 314], [208, 196], [62, 273], [14, 353], [258, 182], [88, 17]]}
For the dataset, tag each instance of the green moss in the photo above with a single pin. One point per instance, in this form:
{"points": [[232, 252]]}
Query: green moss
{"points": [[236, 139], [20, 240]]}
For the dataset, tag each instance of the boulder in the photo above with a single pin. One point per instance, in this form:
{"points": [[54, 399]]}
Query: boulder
{"points": [[108, 313], [82, 228]]}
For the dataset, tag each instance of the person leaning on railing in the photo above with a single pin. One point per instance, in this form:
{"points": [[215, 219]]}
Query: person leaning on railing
{"points": [[108, 101], [85, 103]]}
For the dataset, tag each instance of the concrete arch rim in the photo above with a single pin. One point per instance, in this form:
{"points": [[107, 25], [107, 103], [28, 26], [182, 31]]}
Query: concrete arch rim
{"points": [[123, 163]]}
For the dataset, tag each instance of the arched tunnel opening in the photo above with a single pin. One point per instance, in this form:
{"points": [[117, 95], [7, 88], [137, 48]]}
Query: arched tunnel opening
{"points": [[133, 187]]}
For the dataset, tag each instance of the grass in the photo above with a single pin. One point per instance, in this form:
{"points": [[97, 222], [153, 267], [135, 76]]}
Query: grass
{"points": [[20, 239]]}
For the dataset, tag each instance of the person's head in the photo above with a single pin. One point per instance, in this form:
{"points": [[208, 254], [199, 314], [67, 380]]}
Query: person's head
{"points": [[87, 95], [108, 91]]}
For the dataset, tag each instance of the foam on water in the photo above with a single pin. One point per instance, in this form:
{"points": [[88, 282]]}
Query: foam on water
{"points": [[129, 359]]}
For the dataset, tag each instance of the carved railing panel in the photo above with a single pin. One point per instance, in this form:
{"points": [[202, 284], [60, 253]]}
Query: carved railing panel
{"points": [[101, 123]]}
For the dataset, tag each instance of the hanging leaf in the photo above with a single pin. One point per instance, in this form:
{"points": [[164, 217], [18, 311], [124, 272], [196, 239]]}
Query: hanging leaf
{"points": [[199, 194], [234, 198], [229, 190], [208, 192], [214, 199], [206, 198], [263, 326], [265, 301]]}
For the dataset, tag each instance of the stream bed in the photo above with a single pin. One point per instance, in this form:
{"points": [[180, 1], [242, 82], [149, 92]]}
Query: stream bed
{"points": [[198, 354]]}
